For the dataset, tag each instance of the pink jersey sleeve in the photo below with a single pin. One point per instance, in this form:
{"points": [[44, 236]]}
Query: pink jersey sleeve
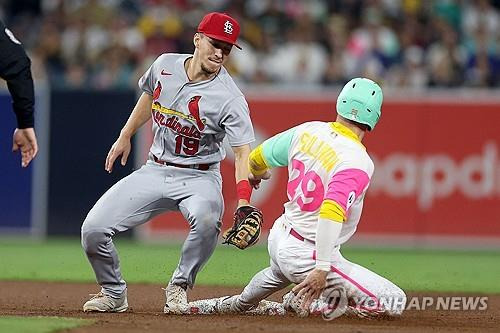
{"points": [[345, 186]]}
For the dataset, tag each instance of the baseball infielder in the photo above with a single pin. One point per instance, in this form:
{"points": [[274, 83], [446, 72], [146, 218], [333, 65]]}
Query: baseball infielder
{"points": [[329, 172], [194, 104]]}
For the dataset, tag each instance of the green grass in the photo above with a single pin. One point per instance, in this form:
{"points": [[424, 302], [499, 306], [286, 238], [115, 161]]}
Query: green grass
{"points": [[39, 324], [415, 270]]}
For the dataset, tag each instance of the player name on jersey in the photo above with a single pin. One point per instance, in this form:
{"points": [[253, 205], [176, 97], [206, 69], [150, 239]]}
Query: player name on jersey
{"points": [[316, 148]]}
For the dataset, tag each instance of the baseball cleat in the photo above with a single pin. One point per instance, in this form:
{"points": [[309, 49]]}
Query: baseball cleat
{"points": [[104, 303], [224, 304], [176, 300], [204, 306], [294, 304], [268, 308]]}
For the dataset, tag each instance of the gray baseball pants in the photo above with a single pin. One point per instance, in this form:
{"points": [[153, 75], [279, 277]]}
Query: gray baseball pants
{"points": [[136, 199]]}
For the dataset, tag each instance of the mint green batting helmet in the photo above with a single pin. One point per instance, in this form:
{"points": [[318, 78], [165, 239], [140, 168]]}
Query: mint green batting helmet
{"points": [[360, 101]]}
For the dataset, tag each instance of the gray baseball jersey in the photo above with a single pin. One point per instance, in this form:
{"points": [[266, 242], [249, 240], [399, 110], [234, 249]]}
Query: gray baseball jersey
{"points": [[190, 120]]}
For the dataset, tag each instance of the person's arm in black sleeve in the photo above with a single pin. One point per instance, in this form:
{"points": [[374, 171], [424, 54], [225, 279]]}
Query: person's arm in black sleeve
{"points": [[20, 84], [15, 69]]}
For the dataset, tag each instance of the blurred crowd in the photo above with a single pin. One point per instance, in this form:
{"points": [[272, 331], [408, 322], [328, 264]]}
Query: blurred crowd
{"points": [[102, 44]]}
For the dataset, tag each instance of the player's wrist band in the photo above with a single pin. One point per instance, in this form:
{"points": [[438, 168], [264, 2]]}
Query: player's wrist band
{"points": [[244, 190]]}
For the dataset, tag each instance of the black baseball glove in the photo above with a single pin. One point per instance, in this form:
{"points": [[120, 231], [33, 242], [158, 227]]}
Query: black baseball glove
{"points": [[246, 227]]}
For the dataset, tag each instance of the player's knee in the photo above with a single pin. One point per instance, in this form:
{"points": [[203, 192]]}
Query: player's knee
{"points": [[206, 224], [208, 227], [93, 239]]}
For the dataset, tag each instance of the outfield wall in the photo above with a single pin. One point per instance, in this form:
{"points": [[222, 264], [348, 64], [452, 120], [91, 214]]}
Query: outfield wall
{"points": [[437, 169], [15, 195], [437, 166], [75, 130], [23, 191]]}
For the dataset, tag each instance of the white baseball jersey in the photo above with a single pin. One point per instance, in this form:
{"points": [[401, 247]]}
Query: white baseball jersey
{"points": [[190, 119], [326, 161]]}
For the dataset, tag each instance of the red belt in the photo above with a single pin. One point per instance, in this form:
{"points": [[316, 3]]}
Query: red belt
{"points": [[298, 236], [203, 167]]}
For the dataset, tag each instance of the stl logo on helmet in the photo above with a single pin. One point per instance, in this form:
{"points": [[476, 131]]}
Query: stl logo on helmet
{"points": [[228, 28], [157, 91]]}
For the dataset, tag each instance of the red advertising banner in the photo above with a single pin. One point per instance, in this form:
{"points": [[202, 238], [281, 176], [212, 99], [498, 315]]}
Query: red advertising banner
{"points": [[437, 167]]}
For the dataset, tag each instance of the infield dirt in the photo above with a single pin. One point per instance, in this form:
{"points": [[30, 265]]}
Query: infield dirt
{"points": [[146, 307]]}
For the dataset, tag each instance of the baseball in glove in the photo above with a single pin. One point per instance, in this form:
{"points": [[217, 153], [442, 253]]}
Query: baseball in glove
{"points": [[246, 227]]}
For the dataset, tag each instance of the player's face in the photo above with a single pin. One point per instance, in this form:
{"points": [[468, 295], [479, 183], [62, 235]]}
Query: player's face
{"points": [[213, 53]]}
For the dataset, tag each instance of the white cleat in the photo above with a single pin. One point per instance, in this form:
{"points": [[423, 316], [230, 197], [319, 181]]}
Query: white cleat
{"points": [[226, 305], [105, 303], [268, 308], [176, 300], [219, 305], [294, 304], [205, 306]]}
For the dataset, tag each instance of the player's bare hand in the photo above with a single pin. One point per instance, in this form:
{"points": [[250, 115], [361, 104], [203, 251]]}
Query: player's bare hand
{"points": [[311, 288], [25, 140], [121, 147], [256, 180]]}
